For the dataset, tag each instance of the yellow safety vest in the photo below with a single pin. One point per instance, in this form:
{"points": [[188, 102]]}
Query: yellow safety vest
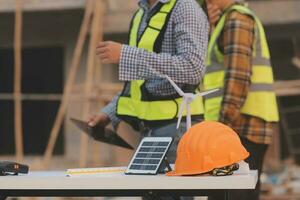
{"points": [[261, 100], [137, 104]]}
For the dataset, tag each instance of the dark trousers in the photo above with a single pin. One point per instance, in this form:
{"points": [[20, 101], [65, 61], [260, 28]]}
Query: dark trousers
{"points": [[255, 161]]}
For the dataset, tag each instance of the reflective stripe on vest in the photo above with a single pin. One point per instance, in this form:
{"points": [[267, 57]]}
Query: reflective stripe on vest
{"points": [[261, 99], [133, 105]]}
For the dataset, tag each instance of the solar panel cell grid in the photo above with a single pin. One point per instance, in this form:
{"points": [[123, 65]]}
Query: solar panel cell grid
{"points": [[143, 161], [151, 149], [149, 155]]}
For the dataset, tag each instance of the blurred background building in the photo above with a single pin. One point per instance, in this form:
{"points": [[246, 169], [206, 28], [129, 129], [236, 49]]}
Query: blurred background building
{"points": [[50, 30]]}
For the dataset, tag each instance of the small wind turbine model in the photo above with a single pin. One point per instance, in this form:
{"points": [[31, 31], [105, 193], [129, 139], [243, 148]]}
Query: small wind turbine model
{"points": [[188, 98]]}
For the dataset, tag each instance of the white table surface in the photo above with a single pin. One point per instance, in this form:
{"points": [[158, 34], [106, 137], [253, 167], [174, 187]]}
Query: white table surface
{"points": [[57, 180]]}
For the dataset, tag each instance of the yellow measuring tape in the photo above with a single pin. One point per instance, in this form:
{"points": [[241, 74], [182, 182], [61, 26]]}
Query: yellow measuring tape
{"points": [[103, 170]]}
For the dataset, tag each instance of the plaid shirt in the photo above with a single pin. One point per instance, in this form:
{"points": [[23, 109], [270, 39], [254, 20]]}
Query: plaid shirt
{"points": [[236, 42], [182, 56]]}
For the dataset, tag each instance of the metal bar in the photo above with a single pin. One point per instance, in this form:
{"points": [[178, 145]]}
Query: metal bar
{"points": [[90, 68], [57, 97], [18, 80], [33, 97]]}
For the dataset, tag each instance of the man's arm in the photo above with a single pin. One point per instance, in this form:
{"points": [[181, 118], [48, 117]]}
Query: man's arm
{"points": [[238, 47], [187, 65], [106, 115], [110, 111]]}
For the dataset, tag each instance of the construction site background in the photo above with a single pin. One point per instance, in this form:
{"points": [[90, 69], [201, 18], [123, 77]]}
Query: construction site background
{"points": [[48, 36]]}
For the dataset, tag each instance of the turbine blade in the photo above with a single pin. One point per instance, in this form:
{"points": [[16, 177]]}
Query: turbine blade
{"points": [[178, 122], [182, 105], [207, 92], [179, 91], [188, 116]]}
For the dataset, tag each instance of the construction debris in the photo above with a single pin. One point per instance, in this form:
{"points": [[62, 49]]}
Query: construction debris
{"points": [[285, 180]]}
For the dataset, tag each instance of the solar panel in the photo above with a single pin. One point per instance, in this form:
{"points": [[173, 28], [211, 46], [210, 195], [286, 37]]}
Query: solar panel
{"points": [[149, 155]]}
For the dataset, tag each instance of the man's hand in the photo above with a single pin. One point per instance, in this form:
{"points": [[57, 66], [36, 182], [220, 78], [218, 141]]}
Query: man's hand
{"points": [[214, 13], [109, 52], [101, 119]]}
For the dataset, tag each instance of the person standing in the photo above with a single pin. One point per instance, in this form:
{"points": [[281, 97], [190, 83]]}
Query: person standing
{"points": [[238, 63], [166, 37]]}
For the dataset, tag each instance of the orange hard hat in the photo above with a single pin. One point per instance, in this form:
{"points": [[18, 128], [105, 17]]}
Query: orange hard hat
{"points": [[206, 146]]}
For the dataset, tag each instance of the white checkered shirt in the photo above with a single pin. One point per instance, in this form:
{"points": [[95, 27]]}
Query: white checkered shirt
{"points": [[182, 55]]}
